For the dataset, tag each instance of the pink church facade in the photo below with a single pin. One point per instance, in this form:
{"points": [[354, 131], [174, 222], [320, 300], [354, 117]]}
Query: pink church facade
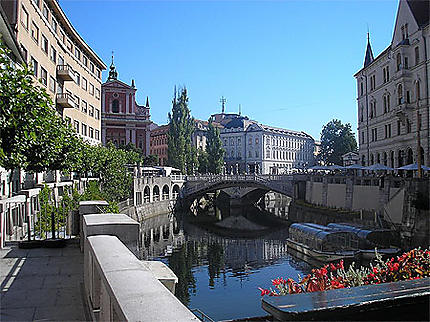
{"points": [[123, 120]]}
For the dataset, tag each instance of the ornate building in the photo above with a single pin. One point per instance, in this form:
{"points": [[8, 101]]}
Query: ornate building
{"points": [[393, 93], [123, 120]]}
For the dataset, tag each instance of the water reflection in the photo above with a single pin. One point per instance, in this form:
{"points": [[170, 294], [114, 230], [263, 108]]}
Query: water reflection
{"points": [[220, 275]]}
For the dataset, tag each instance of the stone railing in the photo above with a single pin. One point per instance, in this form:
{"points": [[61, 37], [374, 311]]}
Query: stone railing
{"points": [[120, 287]]}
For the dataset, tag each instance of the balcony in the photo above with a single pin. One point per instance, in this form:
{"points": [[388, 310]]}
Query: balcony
{"points": [[65, 72], [65, 100]]}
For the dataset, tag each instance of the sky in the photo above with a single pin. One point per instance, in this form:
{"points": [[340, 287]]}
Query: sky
{"points": [[289, 64]]}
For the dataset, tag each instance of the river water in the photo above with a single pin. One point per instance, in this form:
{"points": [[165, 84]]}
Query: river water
{"points": [[220, 269]]}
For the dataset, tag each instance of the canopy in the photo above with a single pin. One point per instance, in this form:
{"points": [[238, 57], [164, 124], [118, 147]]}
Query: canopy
{"points": [[413, 166], [319, 167], [355, 167], [335, 167], [377, 167]]}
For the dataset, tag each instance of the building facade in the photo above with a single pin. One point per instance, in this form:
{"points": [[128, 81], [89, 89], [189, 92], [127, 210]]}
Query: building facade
{"points": [[123, 120], [256, 148], [158, 143], [61, 60], [393, 93]]}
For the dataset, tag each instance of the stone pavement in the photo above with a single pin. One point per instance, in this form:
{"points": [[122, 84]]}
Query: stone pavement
{"points": [[42, 284]]}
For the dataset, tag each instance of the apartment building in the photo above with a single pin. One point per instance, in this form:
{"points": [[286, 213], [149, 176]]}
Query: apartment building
{"points": [[393, 93], [61, 61], [159, 143]]}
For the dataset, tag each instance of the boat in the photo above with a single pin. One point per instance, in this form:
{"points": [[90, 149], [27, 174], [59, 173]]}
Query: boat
{"points": [[322, 243], [371, 239]]}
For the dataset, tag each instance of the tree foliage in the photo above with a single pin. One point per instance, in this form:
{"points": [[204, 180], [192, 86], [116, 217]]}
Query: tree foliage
{"points": [[336, 140], [181, 153], [214, 150], [202, 157], [34, 137]]}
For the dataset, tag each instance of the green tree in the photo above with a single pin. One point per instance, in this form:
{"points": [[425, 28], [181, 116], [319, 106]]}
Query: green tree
{"points": [[336, 140], [203, 161], [214, 149], [151, 159], [181, 153]]}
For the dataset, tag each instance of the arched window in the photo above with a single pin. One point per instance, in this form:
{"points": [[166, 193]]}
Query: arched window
{"points": [[371, 159], [385, 104], [399, 61], [385, 158], [417, 88], [388, 103], [115, 106], [400, 94]]}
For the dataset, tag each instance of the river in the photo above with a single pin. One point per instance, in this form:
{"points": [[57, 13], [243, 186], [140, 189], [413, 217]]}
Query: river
{"points": [[219, 272]]}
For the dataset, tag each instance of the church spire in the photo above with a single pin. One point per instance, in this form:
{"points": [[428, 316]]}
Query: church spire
{"points": [[147, 101], [369, 54], [113, 74]]}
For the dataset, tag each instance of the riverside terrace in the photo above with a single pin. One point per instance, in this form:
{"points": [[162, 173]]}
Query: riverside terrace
{"points": [[106, 282]]}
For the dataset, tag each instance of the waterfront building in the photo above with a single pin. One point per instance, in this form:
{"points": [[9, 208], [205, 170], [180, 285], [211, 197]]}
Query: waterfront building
{"points": [[158, 143], [393, 93], [61, 60], [123, 120], [253, 147], [350, 158]]}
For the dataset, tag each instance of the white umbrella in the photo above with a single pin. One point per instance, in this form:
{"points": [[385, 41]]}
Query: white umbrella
{"points": [[319, 167], [355, 167], [378, 167], [413, 166]]}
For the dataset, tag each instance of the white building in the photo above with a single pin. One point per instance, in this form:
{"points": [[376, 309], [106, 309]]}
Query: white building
{"points": [[393, 93], [252, 147]]}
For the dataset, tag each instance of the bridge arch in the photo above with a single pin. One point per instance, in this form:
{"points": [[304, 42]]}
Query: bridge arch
{"points": [[165, 192], [146, 195], [156, 193]]}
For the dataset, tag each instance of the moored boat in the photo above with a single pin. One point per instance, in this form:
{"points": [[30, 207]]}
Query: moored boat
{"points": [[322, 243]]}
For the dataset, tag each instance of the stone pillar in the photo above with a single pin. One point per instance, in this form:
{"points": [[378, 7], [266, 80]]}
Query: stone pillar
{"points": [[127, 103], [85, 208]]}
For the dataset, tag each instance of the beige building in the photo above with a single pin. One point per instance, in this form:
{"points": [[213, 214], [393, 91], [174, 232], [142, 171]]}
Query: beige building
{"points": [[393, 93], [64, 64]]}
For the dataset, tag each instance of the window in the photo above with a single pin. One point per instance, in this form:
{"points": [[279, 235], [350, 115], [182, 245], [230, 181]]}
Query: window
{"points": [[78, 79], [408, 96], [256, 141], [418, 92], [386, 74], [69, 45], [43, 76], [372, 82], [97, 93], [361, 88], [84, 106], [77, 102], [45, 44], [24, 17], [84, 83], [24, 53], [62, 36], [400, 94], [98, 73], [91, 132], [97, 114], [54, 24], [52, 84], [362, 137], [115, 107], [97, 136], [408, 126], [417, 55], [91, 89], [37, 3], [84, 129], [60, 60], [45, 11], [406, 65], [91, 67], [385, 104], [77, 54], [399, 61], [35, 32], [53, 54], [249, 154], [256, 154], [91, 111], [85, 60], [76, 125], [398, 128]]}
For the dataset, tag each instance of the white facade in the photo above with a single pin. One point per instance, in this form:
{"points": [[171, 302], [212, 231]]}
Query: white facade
{"points": [[251, 147], [393, 93]]}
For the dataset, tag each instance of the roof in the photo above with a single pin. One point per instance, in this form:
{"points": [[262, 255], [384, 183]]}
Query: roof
{"points": [[285, 131], [368, 59], [420, 9]]}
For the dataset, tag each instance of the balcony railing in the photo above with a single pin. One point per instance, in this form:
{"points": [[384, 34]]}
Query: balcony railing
{"points": [[65, 100], [65, 72]]}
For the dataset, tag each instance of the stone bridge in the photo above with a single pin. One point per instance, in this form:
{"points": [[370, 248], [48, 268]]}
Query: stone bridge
{"points": [[197, 186]]}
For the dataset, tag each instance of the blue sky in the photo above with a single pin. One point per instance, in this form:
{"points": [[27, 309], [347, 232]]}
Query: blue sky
{"points": [[288, 63]]}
